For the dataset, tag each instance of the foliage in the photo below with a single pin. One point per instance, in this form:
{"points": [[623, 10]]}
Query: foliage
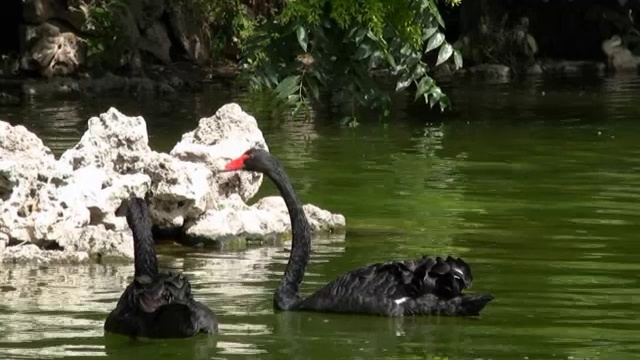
{"points": [[227, 20], [231, 24], [106, 44], [337, 45]]}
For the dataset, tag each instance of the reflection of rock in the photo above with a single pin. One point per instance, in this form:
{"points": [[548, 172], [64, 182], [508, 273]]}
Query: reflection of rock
{"points": [[243, 273], [107, 83], [619, 57], [65, 293], [491, 71], [568, 67], [70, 204], [492, 41], [71, 296], [535, 69]]}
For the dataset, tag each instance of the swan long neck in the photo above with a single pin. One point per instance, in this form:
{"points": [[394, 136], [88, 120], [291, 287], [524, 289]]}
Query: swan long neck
{"points": [[144, 250], [286, 295]]}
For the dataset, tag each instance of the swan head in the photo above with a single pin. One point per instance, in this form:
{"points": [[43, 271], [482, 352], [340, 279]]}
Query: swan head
{"points": [[254, 159], [134, 208]]}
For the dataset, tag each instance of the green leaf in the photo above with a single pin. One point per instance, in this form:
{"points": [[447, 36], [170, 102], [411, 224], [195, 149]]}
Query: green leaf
{"points": [[435, 94], [288, 86], [364, 51], [360, 34], [293, 99], [433, 9], [271, 74], [303, 40], [444, 54], [428, 32], [412, 60], [457, 58], [371, 35], [403, 82], [406, 50], [295, 111], [445, 103], [319, 75], [434, 41], [390, 60], [312, 87], [425, 84], [418, 71]]}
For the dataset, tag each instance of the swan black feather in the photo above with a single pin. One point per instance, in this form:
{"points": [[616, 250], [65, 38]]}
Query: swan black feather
{"points": [[425, 286], [155, 304]]}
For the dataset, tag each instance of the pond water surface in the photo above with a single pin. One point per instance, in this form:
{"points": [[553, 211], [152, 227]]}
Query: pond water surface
{"points": [[535, 184]]}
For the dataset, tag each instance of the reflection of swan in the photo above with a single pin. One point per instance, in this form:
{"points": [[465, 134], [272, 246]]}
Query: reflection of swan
{"points": [[155, 305], [371, 337], [201, 347], [421, 287]]}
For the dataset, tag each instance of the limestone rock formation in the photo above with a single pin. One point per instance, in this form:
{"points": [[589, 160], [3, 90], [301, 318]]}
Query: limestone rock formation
{"points": [[69, 204]]}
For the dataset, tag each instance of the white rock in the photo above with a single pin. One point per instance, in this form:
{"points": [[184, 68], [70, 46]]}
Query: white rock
{"points": [[119, 144], [220, 138], [72, 202], [269, 216], [98, 240], [181, 190], [4, 239], [18, 143], [323, 220], [103, 202], [108, 135], [24, 160]]}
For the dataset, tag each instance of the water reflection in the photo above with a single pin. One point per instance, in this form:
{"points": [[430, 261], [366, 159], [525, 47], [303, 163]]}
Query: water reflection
{"points": [[534, 183], [57, 304]]}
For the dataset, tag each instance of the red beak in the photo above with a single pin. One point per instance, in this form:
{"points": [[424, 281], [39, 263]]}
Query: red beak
{"points": [[236, 164]]}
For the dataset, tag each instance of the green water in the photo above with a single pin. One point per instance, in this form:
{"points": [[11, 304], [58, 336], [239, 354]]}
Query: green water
{"points": [[535, 184]]}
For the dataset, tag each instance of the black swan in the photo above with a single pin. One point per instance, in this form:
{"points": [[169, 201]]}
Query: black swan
{"points": [[426, 286], [155, 304]]}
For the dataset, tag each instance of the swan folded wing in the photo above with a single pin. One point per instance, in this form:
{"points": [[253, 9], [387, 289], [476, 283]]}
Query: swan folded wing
{"points": [[160, 307], [374, 289], [387, 288], [163, 289], [175, 320]]}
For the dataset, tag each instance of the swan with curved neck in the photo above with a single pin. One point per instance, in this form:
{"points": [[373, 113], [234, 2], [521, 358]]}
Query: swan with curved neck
{"points": [[155, 304], [425, 286]]}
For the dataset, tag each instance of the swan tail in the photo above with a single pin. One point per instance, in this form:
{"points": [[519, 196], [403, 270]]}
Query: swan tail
{"points": [[446, 278], [471, 305], [465, 305]]}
